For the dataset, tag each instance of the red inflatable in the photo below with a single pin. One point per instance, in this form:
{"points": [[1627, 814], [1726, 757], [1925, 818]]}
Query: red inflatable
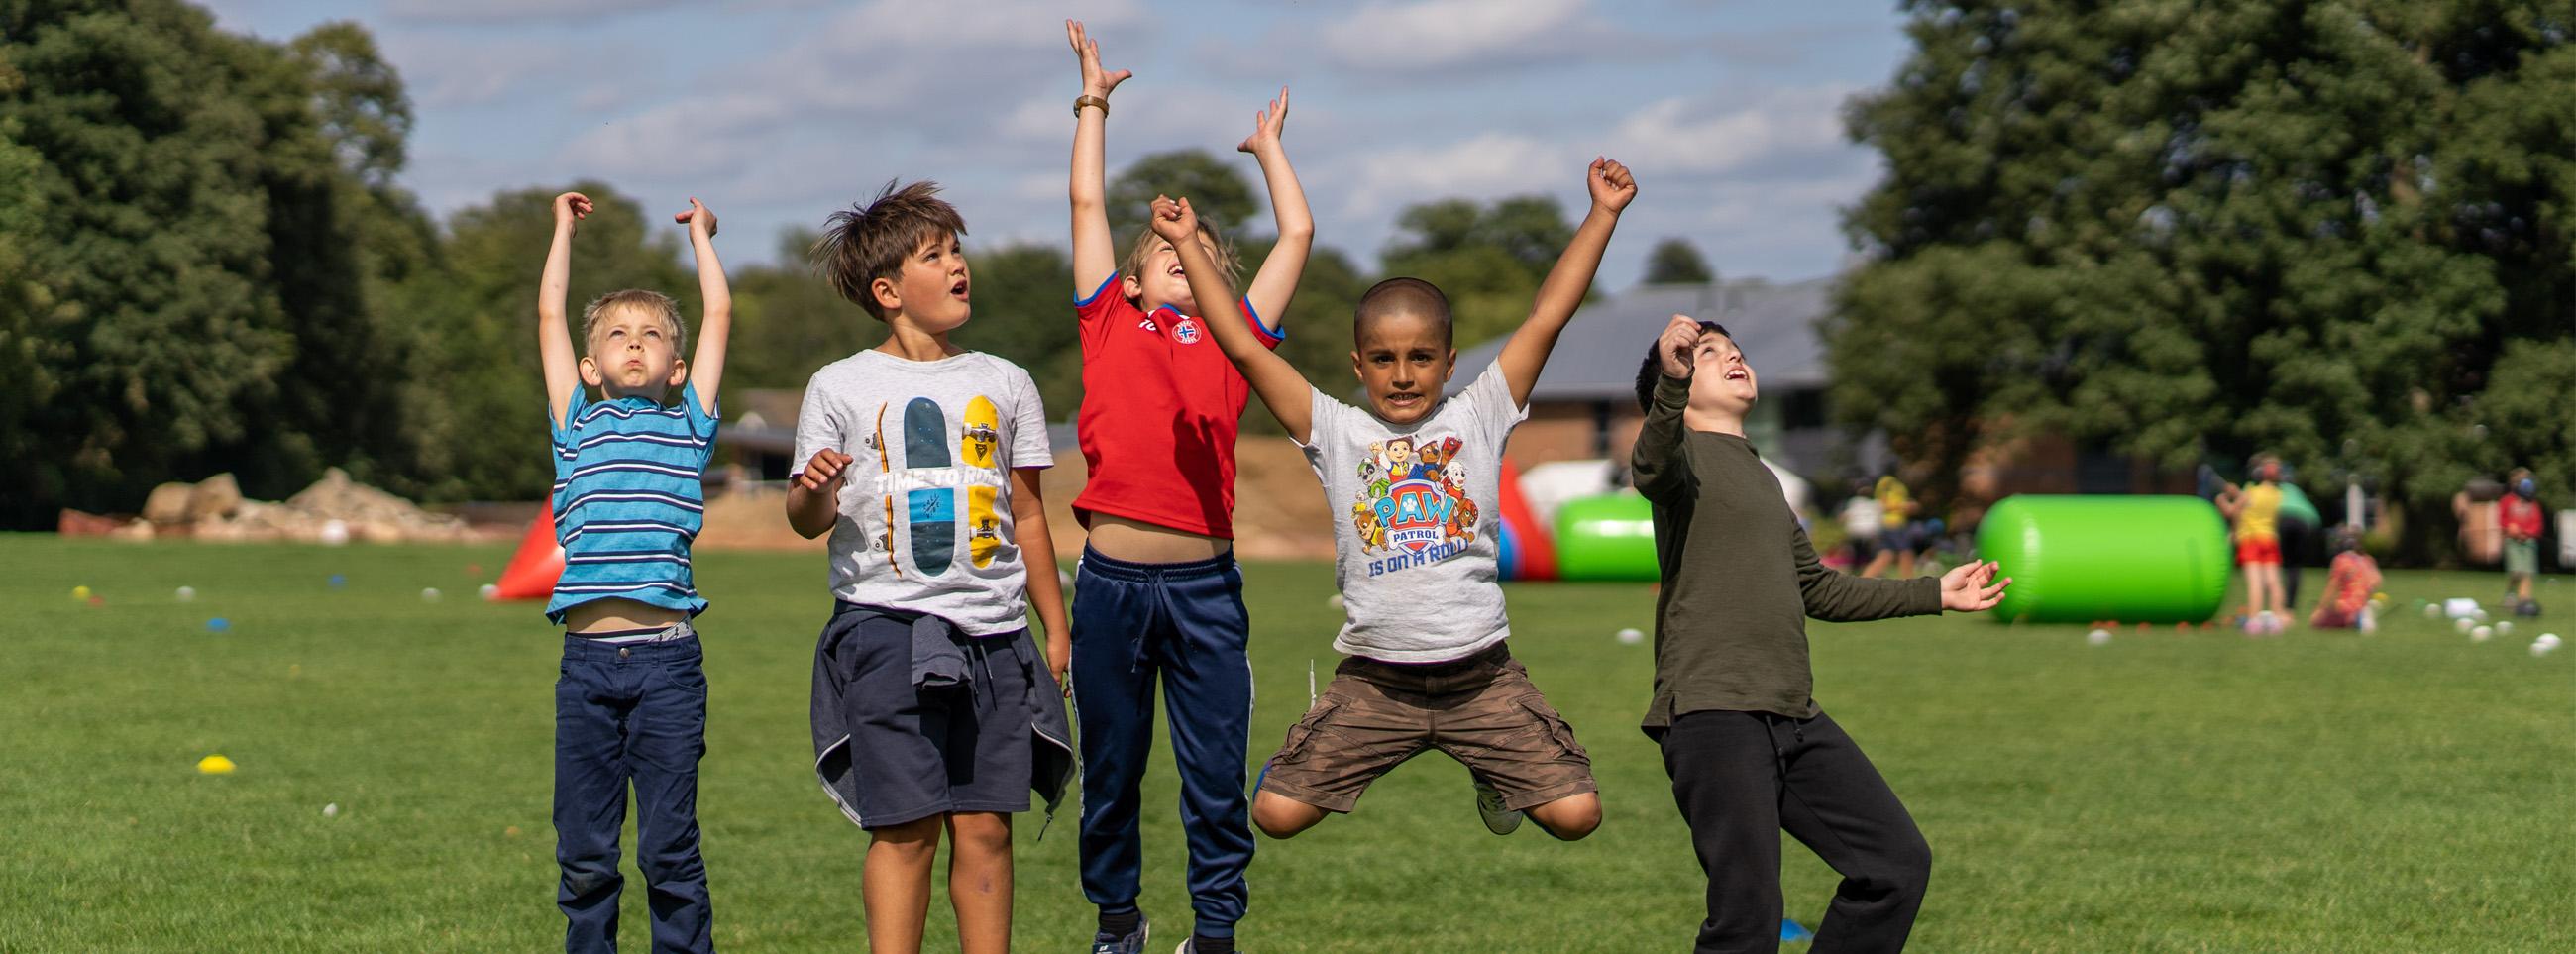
{"points": [[533, 570], [1533, 555]]}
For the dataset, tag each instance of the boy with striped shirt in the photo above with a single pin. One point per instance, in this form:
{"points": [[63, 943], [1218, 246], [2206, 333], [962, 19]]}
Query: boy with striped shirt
{"points": [[631, 704]]}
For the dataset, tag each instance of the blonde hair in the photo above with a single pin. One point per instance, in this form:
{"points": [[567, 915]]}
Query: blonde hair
{"points": [[1229, 264], [655, 303]]}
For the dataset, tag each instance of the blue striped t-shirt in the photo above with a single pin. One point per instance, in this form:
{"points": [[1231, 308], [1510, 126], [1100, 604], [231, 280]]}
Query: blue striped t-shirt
{"points": [[628, 500]]}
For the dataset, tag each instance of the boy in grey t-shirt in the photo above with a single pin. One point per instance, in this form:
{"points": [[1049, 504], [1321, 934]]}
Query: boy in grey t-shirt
{"points": [[1412, 480]]}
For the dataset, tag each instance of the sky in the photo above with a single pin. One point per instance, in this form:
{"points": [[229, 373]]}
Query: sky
{"points": [[777, 112]]}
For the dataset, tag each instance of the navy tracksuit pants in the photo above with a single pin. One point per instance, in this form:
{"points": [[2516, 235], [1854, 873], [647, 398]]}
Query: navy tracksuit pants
{"points": [[1184, 624]]}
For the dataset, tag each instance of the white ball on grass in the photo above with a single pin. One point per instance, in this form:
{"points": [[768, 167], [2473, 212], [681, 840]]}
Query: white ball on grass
{"points": [[335, 532], [2432, 611], [2464, 624], [429, 595], [2099, 637], [1632, 636], [487, 591], [331, 810], [2504, 627], [2481, 634], [2539, 648], [187, 593]]}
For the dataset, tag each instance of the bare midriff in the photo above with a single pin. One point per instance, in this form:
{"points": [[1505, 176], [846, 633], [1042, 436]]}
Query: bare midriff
{"points": [[1136, 541], [612, 615]]}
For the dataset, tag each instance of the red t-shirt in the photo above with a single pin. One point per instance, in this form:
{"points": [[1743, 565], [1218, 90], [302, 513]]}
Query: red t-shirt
{"points": [[1159, 407], [2520, 518]]}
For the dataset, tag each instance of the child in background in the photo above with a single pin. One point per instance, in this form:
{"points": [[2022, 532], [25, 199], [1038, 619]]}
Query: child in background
{"points": [[2257, 510], [1428, 666], [1159, 595], [2519, 514], [1750, 753], [631, 703], [2350, 580], [933, 714], [1896, 541]]}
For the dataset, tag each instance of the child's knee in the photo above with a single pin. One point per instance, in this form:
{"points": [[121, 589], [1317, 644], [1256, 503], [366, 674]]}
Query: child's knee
{"points": [[1279, 816], [916, 838], [1569, 818], [980, 833]]}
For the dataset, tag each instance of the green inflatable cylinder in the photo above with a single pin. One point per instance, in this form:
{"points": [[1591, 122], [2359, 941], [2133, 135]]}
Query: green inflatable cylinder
{"points": [[2079, 559], [1608, 537]]}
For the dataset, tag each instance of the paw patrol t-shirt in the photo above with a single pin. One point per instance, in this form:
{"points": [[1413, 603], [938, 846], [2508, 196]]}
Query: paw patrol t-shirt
{"points": [[925, 509], [1415, 512]]}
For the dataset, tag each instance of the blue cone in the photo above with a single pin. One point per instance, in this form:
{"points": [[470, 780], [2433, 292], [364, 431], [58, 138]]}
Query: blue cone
{"points": [[1793, 931], [219, 624]]}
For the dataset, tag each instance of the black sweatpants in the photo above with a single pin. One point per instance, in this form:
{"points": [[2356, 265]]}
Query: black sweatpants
{"points": [[1741, 778]]}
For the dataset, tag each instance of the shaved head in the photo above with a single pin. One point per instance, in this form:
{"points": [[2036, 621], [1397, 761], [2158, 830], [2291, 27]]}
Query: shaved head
{"points": [[1401, 296]]}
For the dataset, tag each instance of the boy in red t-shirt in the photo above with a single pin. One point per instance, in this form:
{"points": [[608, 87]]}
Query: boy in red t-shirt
{"points": [[1159, 594], [2519, 515]]}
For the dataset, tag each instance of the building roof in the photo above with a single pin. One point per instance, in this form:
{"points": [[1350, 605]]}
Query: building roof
{"points": [[1596, 358]]}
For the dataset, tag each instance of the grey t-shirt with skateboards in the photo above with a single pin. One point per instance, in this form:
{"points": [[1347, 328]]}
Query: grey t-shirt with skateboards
{"points": [[925, 511]]}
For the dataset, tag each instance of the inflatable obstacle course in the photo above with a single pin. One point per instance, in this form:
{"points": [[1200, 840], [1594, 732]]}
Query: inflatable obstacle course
{"points": [[2076, 559], [1606, 537]]}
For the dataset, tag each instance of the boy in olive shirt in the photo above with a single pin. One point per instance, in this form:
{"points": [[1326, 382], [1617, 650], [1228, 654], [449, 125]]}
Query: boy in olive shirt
{"points": [[1749, 752]]}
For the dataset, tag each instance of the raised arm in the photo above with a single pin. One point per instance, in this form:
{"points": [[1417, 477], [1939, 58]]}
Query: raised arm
{"points": [[1656, 461], [1281, 388], [554, 337], [1526, 354], [715, 328], [1095, 251], [1276, 283], [1839, 597]]}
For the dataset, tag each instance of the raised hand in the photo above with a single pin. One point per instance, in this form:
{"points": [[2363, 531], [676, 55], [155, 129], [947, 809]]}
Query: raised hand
{"points": [[1173, 219], [1611, 185], [570, 209], [1972, 587], [824, 470], [1673, 347], [1267, 125], [698, 216], [1095, 81]]}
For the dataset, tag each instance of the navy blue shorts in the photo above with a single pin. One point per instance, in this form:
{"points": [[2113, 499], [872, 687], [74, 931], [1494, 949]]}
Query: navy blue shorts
{"points": [[916, 753]]}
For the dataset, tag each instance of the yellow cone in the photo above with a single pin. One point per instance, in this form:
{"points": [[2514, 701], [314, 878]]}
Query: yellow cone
{"points": [[215, 765]]}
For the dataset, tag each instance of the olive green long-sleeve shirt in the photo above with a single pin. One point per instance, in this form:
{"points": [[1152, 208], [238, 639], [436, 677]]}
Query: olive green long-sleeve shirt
{"points": [[1739, 577]]}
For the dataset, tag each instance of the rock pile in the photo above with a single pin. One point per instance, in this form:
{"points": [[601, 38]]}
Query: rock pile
{"points": [[334, 510]]}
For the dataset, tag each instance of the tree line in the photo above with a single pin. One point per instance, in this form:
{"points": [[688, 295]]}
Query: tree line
{"points": [[2335, 229], [207, 264]]}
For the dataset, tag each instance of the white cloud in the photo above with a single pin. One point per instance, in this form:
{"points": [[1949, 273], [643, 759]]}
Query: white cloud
{"points": [[1430, 35], [1710, 135], [515, 11]]}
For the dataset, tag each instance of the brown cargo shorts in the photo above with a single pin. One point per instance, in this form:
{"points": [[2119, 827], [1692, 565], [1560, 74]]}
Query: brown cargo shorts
{"points": [[1482, 710]]}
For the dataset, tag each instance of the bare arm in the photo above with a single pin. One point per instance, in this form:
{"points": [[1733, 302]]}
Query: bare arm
{"points": [[1276, 283], [715, 328], [1037, 556], [813, 498], [1281, 388], [1526, 353], [554, 337], [1095, 251]]}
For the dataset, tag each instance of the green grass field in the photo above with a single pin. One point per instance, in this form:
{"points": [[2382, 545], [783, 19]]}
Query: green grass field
{"points": [[2199, 792]]}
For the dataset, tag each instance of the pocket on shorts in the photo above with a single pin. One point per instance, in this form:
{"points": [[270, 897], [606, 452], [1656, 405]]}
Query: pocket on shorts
{"points": [[689, 677], [1302, 735], [1555, 728]]}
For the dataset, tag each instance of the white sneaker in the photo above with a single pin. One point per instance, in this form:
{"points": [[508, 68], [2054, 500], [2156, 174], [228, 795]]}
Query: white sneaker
{"points": [[1489, 806]]}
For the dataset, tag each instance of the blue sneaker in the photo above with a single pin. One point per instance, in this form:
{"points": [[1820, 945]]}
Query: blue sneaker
{"points": [[1134, 943]]}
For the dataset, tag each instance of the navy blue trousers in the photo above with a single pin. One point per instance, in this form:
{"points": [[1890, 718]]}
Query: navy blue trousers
{"points": [[1182, 623], [636, 714]]}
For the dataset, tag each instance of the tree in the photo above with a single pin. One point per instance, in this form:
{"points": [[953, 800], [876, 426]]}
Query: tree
{"points": [[1675, 261], [2178, 232], [1487, 259], [1217, 191], [159, 325]]}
